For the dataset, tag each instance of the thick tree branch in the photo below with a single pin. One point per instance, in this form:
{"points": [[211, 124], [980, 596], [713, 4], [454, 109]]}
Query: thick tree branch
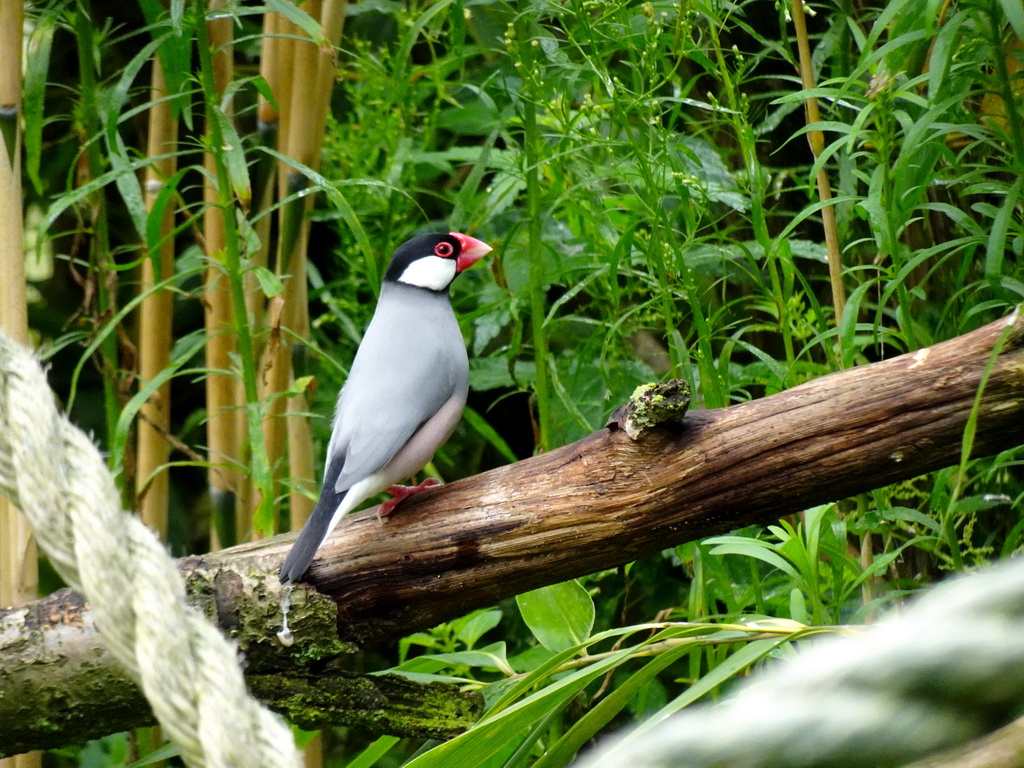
{"points": [[602, 501], [606, 499]]}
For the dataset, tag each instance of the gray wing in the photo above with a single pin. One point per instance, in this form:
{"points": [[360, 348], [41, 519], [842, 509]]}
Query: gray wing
{"points": [[412, 360]]}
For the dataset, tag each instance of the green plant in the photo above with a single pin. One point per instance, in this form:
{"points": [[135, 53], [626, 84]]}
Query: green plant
{"points": [[641, 169]]}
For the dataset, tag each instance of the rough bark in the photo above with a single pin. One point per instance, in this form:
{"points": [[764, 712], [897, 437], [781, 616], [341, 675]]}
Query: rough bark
{"points": [[599, 502], [59, 685], [606, 499]]}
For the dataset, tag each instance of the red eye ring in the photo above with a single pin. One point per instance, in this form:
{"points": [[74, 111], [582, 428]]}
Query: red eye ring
{"points": [[444, 250]]}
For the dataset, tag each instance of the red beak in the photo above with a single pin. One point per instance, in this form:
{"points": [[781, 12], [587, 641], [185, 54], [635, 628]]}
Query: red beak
{"points": [[472, 251]]}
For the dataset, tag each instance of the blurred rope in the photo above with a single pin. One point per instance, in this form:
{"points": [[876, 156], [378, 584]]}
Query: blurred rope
{"points": [[187, 670], [949, 669]]}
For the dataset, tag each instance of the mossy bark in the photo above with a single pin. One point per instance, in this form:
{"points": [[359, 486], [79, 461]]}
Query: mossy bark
{"points": [[59, 685]]}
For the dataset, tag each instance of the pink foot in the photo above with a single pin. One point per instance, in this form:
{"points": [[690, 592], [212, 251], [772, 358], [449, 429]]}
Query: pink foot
{"points": [[400, 493]]}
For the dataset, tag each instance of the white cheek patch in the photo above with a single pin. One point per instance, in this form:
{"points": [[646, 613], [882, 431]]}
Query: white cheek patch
{"points": [[430, 272]]}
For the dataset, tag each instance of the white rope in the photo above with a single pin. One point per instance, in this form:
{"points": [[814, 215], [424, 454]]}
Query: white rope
{"points": [[949, 669], [187, 670]]}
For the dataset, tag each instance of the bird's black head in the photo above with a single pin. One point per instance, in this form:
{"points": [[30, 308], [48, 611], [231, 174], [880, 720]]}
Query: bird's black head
{"points": [[432, 261]]}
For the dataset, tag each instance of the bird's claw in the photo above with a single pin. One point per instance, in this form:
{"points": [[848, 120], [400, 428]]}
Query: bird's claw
{"points": [[400, 493]]}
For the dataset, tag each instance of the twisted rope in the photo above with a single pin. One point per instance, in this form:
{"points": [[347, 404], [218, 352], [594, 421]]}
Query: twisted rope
{"points": [[948, 670], [187, 670]]}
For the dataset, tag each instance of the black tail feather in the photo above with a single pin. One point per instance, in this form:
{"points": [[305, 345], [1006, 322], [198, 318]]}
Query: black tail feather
{"points": [[313, 533]]}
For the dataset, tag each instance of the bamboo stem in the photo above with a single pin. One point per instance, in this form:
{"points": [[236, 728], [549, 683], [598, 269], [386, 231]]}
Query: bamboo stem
{"points": [[156, 313], [299, 143], [302, 139], [248, 416], [816, 139], [300, 440], [19, 580], [223, 401]]}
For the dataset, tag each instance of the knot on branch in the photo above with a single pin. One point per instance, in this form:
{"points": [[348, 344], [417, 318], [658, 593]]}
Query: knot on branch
{"points": [[651, 405], [184, 666]]}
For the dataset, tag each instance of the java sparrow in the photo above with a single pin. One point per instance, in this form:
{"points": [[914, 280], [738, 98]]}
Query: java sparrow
{"points": [[405, 391]]}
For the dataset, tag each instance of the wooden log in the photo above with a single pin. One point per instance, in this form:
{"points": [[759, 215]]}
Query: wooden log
{"points": [[606, 499], [597, 503]]}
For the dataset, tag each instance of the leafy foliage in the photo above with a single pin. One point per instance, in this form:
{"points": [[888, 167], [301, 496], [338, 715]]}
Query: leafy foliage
{"points": [[642, 171]]}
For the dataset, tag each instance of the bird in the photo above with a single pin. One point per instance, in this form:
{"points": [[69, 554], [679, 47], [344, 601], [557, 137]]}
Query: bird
{"points": [[405, 391]]}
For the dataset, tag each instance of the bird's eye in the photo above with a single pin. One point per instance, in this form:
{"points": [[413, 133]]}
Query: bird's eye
{"points": [[444, 250]]}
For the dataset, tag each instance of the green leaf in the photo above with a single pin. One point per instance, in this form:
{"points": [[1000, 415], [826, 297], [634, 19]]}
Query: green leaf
{"points": [[560, 615], [734, 665], [234, 159], [491, 657], [37, 64], [486, 373], [1015, 15], [260, 84], [848, 324], [300, 385], [154, 218], [270, 283], [111, 327], [300, 18], [345, 209], [132, 407], [587, 727], [128, 185], [479, 424], [798, 606], [995, 248], [159, 755], [912, 516], [760, 550], [76, 195], [478, 625], [369, 756], [501, 731], [175, 48]]}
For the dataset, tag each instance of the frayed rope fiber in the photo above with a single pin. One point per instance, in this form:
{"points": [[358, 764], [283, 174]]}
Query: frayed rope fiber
{"points": [[187, 670]]}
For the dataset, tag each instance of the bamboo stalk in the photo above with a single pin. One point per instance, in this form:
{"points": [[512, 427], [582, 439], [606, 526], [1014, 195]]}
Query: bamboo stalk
{"points": [[285, 56], [300, 462], [816, 139], [17, 550], [223, 401], [263, 175], [156, 313], [291, 263], [233, 190], [19, 580], [303, 125], [332, 23], [271, 50], [332, 20]]}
